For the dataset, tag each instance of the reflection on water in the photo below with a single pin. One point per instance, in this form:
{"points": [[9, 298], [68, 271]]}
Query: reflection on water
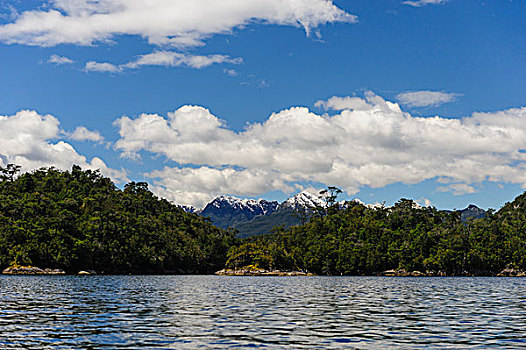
{"points": [[272, 312]]}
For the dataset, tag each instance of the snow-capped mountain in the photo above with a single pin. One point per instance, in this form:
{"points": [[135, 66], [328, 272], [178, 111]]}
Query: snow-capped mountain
{"points": [[258, 207], [303, 201], [246, 214], [225, 211], [253, 217]]}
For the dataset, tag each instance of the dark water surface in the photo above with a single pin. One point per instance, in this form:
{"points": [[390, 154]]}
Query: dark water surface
{"points": [[268, 312]]}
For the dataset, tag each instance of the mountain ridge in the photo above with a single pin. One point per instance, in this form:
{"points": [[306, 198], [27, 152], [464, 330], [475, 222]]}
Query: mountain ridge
{"points": [[252, 217]]}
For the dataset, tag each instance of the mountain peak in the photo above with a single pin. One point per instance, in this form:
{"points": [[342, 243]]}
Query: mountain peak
{"points": [[227, 210], [259, 206], [303, 200], [472, 211]]}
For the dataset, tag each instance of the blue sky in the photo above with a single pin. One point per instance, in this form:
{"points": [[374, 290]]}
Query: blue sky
{"points": [[385, 99]]}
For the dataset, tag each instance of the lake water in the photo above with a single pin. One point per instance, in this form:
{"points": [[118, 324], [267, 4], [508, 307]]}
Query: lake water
{"points": [[263, 312]]}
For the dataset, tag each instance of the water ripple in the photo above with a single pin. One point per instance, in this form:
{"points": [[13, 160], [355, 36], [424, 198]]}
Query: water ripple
{"points": [[103, 312]]}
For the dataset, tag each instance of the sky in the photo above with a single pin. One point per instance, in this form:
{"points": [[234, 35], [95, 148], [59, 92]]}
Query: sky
{"points": [[385, 99]]}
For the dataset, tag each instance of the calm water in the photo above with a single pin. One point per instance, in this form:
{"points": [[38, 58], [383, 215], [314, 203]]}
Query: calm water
{"points": [[268, 312]]}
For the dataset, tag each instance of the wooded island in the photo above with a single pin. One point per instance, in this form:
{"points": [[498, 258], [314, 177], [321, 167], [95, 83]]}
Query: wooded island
{"points": [[79, 220]]}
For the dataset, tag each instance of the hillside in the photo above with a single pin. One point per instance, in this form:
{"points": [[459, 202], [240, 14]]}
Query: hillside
{"points": [[357, 239], [264, 224], [78, 220]]}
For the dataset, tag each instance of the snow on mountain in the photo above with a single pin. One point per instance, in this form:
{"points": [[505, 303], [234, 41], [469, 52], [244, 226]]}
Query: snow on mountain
{"points": [[344, 204], [188, 208], [258, 207], [375, 206], [226, 211], [303, 200]]}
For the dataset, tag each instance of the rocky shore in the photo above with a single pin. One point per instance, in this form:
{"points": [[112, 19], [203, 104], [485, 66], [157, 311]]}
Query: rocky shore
{"points": [[260, 272], [511, 273], [508, 272], [32, 270]]}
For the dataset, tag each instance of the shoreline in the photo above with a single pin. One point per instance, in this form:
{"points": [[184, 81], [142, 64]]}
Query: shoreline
{"points": [[36, 271], [389, 273]]}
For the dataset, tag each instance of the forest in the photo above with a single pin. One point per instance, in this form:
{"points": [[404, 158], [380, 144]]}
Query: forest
{"points": [[79, 220], [356, 240]]}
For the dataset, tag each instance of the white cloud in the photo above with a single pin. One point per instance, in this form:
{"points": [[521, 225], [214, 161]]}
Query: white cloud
{"points": [[340, 103], [457, 189], [230, 72], [180, 23], [83, 134], [59, 60], [32, 141], [375, 145], [199, 186], [165, 59], [424, 202], [176, 59], [421, 3], [426, 98], [93, 66]]}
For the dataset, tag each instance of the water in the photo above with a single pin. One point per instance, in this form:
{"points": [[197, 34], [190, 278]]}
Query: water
{"points": [[264, 312]]}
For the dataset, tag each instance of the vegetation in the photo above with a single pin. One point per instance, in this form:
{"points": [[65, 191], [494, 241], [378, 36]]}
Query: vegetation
{"points": [[79, 220], [263, 224], [355, 239]]}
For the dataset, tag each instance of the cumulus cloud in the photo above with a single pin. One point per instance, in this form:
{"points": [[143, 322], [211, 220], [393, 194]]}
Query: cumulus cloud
{"points": [[198, 186], [179, 23], [81, 133], [32, 141], [59, 60], [426, 98], [104, 67], [372, 142], [421, 3]]}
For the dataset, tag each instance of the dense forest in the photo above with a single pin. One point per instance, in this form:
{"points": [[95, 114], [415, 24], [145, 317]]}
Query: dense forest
{"points": [[79, 220], [356, 240]]}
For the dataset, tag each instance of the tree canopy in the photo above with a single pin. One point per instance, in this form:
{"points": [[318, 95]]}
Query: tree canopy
{"points": [[78, 220], [354, 239]]}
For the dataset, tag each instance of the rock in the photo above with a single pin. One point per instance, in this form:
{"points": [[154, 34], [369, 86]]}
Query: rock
{"points": [[31, 270], [390, 273], [23, 270], [395, 273], [509, 272], [417, 274], [260, 272]]}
